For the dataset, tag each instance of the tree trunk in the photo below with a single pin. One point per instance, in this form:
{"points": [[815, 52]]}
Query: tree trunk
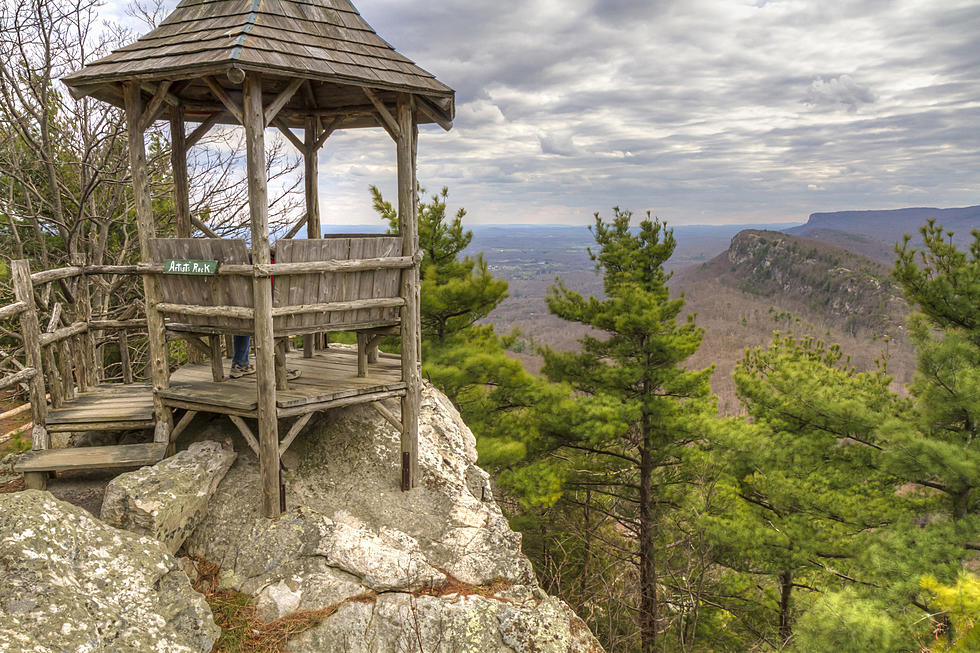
{"points": [[785, 605], [649, 610]]}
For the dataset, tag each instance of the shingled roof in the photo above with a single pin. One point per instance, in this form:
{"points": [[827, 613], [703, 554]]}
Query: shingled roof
{"points": [[324, 41]]}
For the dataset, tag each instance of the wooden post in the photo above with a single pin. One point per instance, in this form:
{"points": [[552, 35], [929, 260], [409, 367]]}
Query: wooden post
{"points": [[127, 365], [31, 331], [265, 373], [178, 161], [311, 178], [182, 206], [362, 353], [217, 362], [156, 331], [410, 316]]}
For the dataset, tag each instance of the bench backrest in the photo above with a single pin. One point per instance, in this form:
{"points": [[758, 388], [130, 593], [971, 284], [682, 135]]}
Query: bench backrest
{"points": [[336, 286], [205, 290], [292, 290]]}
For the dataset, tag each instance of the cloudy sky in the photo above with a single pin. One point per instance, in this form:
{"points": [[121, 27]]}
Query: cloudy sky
{"points": [[703, 111]]}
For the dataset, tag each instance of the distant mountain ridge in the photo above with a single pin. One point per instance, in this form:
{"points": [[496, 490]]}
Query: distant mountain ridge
{"points": [[875, 233]]}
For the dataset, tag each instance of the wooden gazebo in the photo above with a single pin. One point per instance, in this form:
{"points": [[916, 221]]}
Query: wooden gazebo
{"points": [[314, 66]]}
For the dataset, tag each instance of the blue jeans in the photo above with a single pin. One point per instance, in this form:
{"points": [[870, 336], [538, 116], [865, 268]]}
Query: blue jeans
{"points": [[241, 347]]}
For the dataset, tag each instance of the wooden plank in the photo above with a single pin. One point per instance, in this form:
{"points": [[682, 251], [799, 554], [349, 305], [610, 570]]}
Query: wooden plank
{"points": [[411, 318], [265, 376], [340, 403], [72, 427], [158, 354], [60, 460]]}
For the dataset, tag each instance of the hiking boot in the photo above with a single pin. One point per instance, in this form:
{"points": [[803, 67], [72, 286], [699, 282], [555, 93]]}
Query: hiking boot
{"points": [[238, 371]]}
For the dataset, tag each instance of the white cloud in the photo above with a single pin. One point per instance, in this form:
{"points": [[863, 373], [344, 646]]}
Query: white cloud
{"points": [[730, 111]]}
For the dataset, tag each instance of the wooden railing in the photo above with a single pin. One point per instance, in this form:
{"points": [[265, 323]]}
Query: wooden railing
{"points": [[61, 355]]}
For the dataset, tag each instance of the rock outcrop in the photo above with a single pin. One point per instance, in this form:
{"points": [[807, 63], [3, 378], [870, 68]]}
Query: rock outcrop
{"points": [[438, 565], [168, 500], [72, 583]]}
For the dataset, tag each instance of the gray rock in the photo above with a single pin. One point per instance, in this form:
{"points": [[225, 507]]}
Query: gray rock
{"points": [[168, 500], [448, 624], [352, 539], [72, 583]]}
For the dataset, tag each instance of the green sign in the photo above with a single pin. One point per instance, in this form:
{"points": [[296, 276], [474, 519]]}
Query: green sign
{"points": [[185, 266]]}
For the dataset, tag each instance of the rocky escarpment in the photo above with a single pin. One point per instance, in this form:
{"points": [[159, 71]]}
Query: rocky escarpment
{"points": [[825, 279], [72, 583], [437, 566]]}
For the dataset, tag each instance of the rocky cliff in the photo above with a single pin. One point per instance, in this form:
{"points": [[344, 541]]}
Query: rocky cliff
{"points": [[364, 567], [434, 569]]}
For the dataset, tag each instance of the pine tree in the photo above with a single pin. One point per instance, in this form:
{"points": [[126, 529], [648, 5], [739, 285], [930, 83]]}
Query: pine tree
{"points": [[464, 358], [636, 408]]}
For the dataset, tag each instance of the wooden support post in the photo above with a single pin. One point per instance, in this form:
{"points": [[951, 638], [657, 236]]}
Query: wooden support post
{"points": [[410, 316], [182, 203], [31, 331], [311, 178], [282, 383], [362, 358], [127, 365], [88, 370], [156, 331], [65, 367], [372, 347], [229, 346], [253, 115], [217, 362]]}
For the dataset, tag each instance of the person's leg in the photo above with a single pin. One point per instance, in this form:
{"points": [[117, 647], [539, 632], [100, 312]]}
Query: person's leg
{"points": [[241, 347]]}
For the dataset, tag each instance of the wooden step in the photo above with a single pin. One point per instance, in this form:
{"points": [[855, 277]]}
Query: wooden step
{"points": [[120, 455]]}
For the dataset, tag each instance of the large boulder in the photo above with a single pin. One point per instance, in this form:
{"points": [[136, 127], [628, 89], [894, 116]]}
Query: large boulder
{"points": [[72, 583], [168, 500], [439, 562]]}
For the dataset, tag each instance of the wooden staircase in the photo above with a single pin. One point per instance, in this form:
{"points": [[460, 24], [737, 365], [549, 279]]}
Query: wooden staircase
{"points": [[35, 465]]}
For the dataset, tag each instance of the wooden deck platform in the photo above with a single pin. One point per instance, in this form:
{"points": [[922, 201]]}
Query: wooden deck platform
{"points": [[329, 379]]}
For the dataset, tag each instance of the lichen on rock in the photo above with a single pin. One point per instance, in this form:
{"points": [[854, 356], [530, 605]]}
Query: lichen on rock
{"points": [[72, 583]]}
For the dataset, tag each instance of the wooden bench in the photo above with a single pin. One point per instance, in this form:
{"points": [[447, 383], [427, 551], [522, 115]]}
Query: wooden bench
{"points": [[36, 464], [309, 290]]}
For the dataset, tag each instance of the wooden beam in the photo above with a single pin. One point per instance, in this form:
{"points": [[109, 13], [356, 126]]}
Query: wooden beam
{"points": [[277, 104], [169, 98], [153, 109], [329, 129], [388, 121], [30, 329], [265, 373], [387, 414], [290, 136], [222, 95], [201, 130], [156, 332], [178, 162], [254, 444], [433, 114], [410, 316], [184, 422], [206, 230], [295, 228], [294, 430]]}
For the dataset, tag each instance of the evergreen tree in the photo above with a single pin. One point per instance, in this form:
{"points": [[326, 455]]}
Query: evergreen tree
{"points": [[636, 408], [464, 358]]}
